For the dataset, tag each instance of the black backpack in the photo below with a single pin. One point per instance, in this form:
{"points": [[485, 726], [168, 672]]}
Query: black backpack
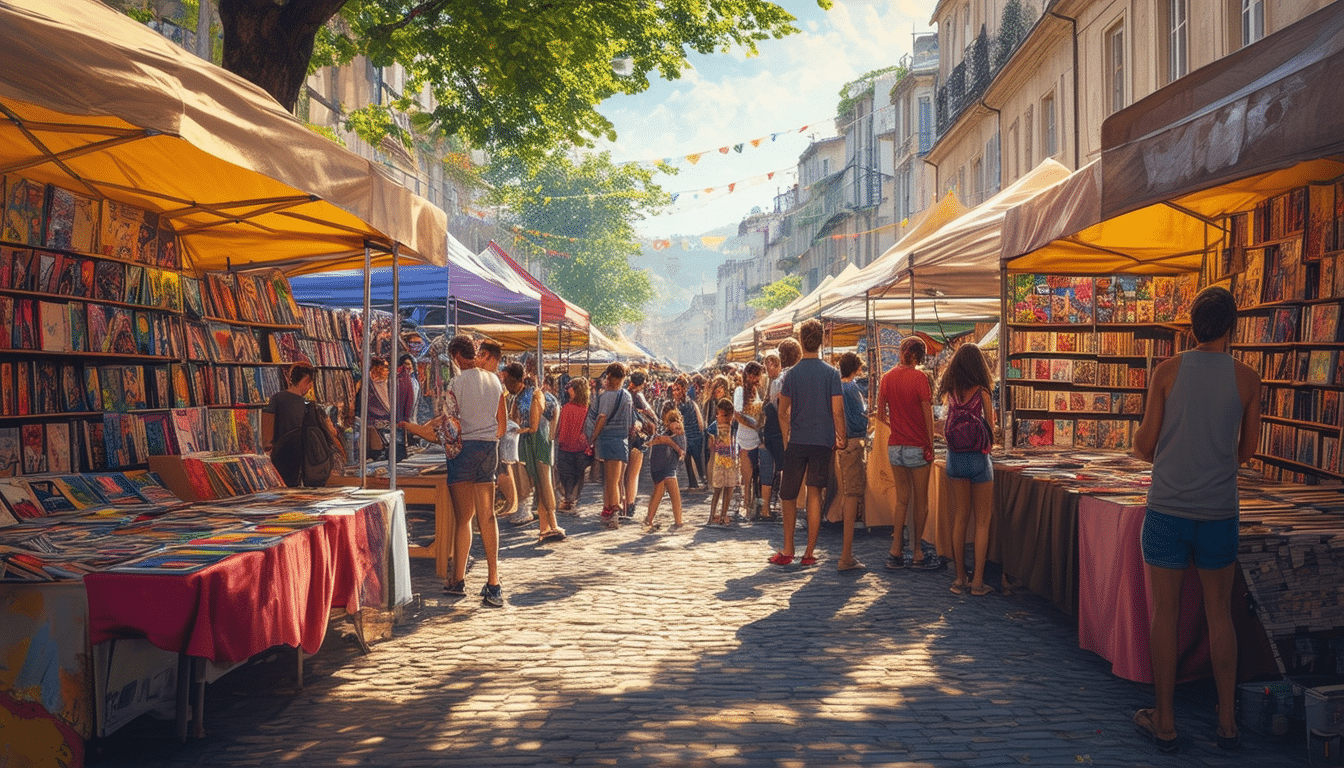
{"points": [[308, 446]]}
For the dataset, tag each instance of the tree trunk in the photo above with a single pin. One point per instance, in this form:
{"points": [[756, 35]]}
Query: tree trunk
{"points": [[270, 43]]}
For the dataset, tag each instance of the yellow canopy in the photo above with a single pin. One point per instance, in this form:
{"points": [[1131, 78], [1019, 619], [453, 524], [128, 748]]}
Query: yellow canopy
{"points": [[92, 101]]}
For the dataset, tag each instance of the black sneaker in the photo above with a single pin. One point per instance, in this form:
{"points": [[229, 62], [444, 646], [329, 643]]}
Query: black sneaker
{"points": [[456, 589], [492, 596]]}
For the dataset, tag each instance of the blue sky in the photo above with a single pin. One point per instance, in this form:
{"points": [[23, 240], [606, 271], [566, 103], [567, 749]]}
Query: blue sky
{"points": [[727, 99]]}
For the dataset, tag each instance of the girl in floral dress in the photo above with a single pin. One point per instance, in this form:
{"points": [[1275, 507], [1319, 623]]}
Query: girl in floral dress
{"points": [[724, 476]]}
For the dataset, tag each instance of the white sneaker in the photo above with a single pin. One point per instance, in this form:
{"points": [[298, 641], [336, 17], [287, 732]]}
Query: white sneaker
{"points": [[521, 517]]}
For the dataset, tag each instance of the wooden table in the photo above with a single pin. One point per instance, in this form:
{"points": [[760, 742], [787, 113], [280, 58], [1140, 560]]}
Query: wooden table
{"points": [[422, 489]]}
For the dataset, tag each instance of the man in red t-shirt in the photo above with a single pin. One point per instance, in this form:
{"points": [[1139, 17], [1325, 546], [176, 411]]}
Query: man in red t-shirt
{"points": [[905, 405]]}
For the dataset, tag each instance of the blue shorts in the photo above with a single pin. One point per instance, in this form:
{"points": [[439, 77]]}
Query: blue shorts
{"points": [[908, 456], [612, 448], [767, 467], [659, 474], [1175, 542], [475, 464], [975, 467]]}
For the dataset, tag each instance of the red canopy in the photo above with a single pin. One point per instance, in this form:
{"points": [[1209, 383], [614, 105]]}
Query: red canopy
{"points": [[554, 308]]}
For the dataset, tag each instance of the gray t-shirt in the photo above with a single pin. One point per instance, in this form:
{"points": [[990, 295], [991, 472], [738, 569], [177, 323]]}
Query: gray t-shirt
{"points": [[1195, 463], [810, 386], [478, 396]]}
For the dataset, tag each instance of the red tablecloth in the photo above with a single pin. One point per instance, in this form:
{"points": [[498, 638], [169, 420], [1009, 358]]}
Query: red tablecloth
{"points": [[1114, 614], [250, 601]]}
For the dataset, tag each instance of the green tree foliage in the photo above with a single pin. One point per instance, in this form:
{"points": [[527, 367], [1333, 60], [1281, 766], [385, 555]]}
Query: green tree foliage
{"points": [[587, 198], [778, 294], [1014, 25], [520, 74]]}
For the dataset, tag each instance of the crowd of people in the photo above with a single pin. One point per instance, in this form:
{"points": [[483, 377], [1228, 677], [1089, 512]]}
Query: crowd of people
{"points": [[762, 439]]}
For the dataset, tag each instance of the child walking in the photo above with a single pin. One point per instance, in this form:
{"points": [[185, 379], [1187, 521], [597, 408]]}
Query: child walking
{"points": [[724, 476], [667, 448]]}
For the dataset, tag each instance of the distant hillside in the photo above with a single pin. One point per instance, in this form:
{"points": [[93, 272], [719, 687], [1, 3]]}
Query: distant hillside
{"points": [[687, 268]]}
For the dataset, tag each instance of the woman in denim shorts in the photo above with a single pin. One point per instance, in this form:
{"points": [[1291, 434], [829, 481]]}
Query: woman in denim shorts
{"points": [[970, 474], [905, 405]]}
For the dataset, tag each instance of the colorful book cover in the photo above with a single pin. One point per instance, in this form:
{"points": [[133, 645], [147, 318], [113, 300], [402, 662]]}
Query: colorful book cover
{"points": [[170, 254], [6, 321], [25, 203], [95, 445], [10, 452], [120, 331], [144, 333], [25, 333], [222, 299], [1132, 403], [1085, 433], [23, 272], [1321, 366], [1063, 432], [1078, 402], [158, 389], [198, 344], [1187, 287], [1099, 402], [247, 429], [223, 431], [1061, 370], [23, 382], [114, 487], [1324, 322], [34, 449], [181, 385], [1035, 433], [221, 337], [133, 388], [249, 300], [111, 380], [72, 221], [80, 492], [170, 562], [1164, 295], [77, 321], [1143, 299], [1104, 293], [46, 272], [6, 264], [133, 286], [16, 496], [120, 230], [72, 390], [58, 447], [46, 386], [191, 298], [1066, 342], [189, 429], [109, 281], [147, 239], [284, 298], [1085, 372], [55, 322], [158, 434], [170, 291], [1060, 401]]}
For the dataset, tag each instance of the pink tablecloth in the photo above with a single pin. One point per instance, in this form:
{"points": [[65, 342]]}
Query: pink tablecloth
{"points": [[1113, 605], [250, 601]]}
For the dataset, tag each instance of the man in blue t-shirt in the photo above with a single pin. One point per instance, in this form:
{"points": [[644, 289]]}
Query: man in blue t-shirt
{"points": [[812, 418]]}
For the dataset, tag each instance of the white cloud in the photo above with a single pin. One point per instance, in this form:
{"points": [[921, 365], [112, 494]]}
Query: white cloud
{"points": [[731, 99]]}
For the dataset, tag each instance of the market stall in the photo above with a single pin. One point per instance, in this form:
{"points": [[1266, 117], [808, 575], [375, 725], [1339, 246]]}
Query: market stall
{"points": [[114, 117], [1195, 188]]}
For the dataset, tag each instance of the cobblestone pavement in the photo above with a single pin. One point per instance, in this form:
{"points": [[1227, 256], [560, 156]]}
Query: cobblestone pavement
{"points": [[619, 648]]}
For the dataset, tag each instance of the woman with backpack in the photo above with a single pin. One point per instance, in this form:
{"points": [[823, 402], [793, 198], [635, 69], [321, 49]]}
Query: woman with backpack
{"points": [[969, 430], [534, 451]]}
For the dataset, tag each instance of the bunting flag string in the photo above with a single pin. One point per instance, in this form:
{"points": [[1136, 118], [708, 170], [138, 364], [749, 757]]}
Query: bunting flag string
{"points": [[737, 147]]}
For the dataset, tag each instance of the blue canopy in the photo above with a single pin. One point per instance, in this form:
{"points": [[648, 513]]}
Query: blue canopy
{"points": [[479, 286]]}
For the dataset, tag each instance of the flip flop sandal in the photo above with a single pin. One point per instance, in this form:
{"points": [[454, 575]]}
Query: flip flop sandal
{"points": [[848, 565], [1144, 726], [981, 591], [779, 558], [958, 588], [808, 561]]}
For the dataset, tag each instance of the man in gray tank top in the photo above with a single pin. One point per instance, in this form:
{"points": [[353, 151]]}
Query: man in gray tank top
{"points": [[1202, 422]]}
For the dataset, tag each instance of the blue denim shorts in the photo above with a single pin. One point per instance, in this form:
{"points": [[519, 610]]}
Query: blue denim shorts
{"points": [[768, 469], [1175, 542], [975, 467], [908, 456], [475, 464], [612, 448]]}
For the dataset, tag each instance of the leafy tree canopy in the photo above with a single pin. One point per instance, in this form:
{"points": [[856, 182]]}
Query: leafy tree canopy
{"points": [[521, 74], [588, 198], [778, 294]]}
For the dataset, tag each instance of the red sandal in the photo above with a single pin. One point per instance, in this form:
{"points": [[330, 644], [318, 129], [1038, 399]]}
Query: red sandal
{"points": [[779, 558]]}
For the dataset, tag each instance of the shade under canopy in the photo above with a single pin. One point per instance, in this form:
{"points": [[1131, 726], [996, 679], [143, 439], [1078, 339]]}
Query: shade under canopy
{"points": [[95, 102]]}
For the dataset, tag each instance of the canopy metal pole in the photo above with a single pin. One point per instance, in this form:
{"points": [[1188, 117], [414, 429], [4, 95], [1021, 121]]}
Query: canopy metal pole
{"points": [[367, 359], [1003, 355], [393, 381]]}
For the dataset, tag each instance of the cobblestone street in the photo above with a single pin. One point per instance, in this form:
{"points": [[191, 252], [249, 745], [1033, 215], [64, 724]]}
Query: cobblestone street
{"points": [[687, 649]]}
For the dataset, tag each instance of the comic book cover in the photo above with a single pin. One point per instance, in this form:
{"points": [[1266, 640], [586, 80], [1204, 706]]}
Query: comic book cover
{"points": [[9, 451], [1143, 298], [1085, 433], [120, 235], [58, 447], [170, 255], [1033, 433], [1164, 295], [1085, 372], [1061, 370], [1063, 432], [25, 202], [72, 221], [1187, 287], [34, 449]]}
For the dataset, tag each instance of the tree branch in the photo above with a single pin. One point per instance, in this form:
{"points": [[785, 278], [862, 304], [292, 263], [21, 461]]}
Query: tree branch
{"points": [[432, 6]]}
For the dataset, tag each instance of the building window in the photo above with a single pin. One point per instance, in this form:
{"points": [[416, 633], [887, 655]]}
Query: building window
{"points": [[1115, 68], [925, 124], [1048, 145], [977, 182], [966, 26], [1178, 56], [1013, 156], [1028, 141], [1252, 21]]}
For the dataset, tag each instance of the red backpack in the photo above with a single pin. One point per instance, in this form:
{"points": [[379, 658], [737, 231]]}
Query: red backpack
{"points": [[966, 429]]}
